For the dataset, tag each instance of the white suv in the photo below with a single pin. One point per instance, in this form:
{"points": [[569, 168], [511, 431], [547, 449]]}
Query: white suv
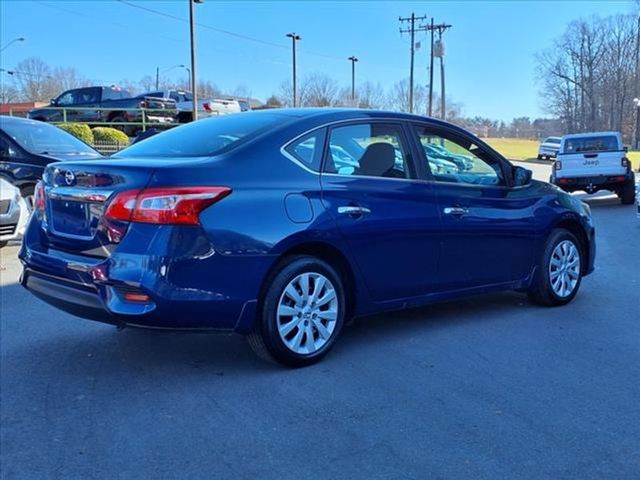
{"points": [[593, 162], [549, 148]]}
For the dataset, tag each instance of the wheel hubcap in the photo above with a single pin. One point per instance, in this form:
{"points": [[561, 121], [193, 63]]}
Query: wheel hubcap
{"points": [[307, 313], [564, 268]]}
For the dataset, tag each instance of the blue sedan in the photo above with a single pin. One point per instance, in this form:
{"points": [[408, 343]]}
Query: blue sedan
{"points": [[251, 223]]}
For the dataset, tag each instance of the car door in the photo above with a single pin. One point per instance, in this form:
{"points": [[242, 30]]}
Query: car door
{"points": [[488, 224], [388, 217]]}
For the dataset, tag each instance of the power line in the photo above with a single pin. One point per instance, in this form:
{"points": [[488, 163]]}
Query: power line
{"points": [[412, 31]]}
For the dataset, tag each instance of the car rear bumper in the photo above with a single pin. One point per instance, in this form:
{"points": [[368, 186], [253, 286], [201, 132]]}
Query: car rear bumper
{"points": [[592, 183], [136, 290]]}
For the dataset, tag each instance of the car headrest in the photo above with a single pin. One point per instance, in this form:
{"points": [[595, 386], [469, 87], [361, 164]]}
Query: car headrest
{"points": [[377, 159]]}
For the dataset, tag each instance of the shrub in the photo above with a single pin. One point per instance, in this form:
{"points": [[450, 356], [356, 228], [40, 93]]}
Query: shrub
{"points": [[111, 135], [78, 130]]}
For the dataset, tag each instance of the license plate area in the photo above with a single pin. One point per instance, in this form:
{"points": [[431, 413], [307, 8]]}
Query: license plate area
{"points": [[73, 218]]}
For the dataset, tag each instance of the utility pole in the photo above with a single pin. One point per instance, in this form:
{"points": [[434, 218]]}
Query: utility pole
{"points": [[431, 29], [440, 28], [192, 32], [294, 38], [412, 31], [637, 99], [353, 79]]}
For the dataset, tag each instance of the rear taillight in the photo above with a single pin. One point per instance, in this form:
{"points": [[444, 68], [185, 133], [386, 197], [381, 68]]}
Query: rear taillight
{"points": [[557, 165], [38, 197], [206, 106], [169, 206]]}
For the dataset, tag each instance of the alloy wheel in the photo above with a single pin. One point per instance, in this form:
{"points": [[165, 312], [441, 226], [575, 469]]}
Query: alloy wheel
{"points": [[564, 268], [307, 313]]}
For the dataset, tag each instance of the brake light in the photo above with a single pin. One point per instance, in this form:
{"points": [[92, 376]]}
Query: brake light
{"points": [[557, 165], [169, 206], [206, 106], [38, 200]]}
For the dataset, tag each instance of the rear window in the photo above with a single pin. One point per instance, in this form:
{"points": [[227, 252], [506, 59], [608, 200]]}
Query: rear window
{"points": [[203, 138], [603, 143], [553, 140]]}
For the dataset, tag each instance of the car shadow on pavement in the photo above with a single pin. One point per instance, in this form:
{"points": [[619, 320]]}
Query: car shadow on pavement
{"points": [[66, 345]]}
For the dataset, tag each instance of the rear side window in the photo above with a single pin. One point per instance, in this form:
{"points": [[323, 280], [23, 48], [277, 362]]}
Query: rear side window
{"points": [[604, 143], [308, 149], [368, 149]]}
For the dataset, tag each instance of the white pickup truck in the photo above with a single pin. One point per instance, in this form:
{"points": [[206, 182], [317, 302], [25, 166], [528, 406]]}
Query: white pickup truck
{"points": [[206, 107], [593, 162]]}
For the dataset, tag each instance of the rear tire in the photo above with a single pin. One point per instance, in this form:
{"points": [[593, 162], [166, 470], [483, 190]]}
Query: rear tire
{"points": [[559, 270], [539, 157], [295, 327], [3, 244], [627, 193]]}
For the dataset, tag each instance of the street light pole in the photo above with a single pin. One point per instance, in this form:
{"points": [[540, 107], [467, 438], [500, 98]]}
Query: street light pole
{"points": [[294, 38], [353, 79], [192, 33], [19, 39]]}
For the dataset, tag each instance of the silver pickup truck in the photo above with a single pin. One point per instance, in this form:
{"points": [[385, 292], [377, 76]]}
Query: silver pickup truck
{"points": [[593, 162], [206, 107]]}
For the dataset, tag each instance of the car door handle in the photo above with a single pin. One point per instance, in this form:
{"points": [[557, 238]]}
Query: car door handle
{"points": [[456, 211], [353, 210]]}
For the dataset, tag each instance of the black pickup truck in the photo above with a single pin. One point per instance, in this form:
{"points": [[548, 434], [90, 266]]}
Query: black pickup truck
{"points": [[106, 104]]}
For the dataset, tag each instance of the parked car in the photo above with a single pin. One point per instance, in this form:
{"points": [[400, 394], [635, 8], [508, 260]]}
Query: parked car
{"points": [[222, 224], [27, 146], [106, 104], [206, 107], [594, 162], [548, 149], [13, 213]]}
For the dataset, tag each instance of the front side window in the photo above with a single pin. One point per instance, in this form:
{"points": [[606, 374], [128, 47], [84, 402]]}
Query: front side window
{"points": [[457, 160], [65, 99], [308, 149], [368, 149]]}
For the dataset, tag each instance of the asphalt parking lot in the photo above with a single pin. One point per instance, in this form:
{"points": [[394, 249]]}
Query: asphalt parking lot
{"points": [[491, 387]]}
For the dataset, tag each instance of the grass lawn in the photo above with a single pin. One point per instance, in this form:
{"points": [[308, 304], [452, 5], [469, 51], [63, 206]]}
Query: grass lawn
{"points": [[519, 149]]}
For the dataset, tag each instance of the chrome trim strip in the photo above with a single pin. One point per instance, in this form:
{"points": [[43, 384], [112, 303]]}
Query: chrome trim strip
{"points": [[76, 194]]}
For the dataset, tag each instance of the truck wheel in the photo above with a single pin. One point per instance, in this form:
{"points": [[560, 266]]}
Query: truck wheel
{"points": [[3, 244], [559, 271], [302, 313], [627, 193]]}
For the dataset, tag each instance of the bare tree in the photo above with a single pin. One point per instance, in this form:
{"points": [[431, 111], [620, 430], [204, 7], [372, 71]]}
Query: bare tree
{"points": [[588, 77], [319, 90], [370, 95], [398, 97], [34, 80]]}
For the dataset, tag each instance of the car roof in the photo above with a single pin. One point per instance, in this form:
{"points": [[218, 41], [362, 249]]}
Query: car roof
{"points": [[329, 114], [591, 134]]}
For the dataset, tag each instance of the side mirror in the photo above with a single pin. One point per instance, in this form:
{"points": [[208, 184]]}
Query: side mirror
{"points": [[53, 102], [521, 176], [625, 149]]}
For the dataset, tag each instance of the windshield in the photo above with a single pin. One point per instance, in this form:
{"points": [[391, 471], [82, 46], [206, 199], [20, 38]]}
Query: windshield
{"points": [[203, 138], [44, 139], [553, 140]]}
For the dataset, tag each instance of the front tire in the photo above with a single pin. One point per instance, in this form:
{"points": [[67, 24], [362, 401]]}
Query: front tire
{"points": [[302, 313], [559, 273]]}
